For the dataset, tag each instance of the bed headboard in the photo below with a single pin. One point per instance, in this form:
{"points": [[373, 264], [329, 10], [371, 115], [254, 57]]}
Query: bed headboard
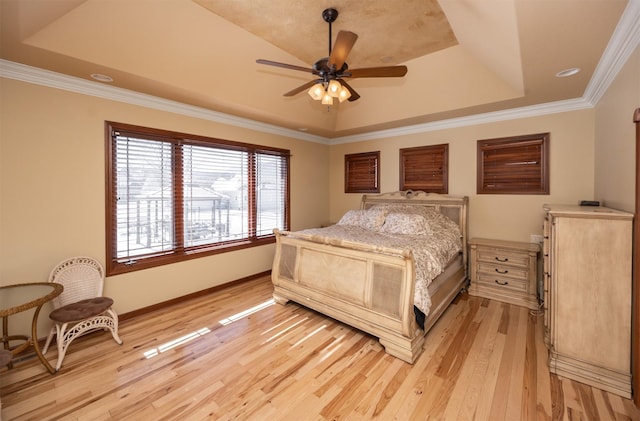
{"points": [[454, 207]]}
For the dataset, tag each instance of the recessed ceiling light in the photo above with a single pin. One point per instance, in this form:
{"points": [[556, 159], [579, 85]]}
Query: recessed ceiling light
{"points": [[303, 129], [102, 78], [386, 59], [568, 72]]}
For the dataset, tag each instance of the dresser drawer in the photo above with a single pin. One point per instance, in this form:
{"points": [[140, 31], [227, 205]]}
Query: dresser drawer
{"points": [[503, 257], [502, 282], [503, 270]]}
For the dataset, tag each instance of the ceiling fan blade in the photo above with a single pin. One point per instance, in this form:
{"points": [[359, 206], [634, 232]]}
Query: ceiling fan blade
{"points": [[388, 71], [342, 48], [301, 88], [286, 66], [354, 95]]}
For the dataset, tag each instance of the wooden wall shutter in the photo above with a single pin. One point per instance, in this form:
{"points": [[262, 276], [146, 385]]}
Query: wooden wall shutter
{"points": [[425, 168], [362, 172], [514, 165]]}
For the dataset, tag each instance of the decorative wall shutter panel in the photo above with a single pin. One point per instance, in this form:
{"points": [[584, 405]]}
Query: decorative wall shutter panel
{"points": [[362, 173]]}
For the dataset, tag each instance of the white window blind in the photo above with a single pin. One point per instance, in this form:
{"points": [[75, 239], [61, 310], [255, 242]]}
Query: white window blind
{"points": [[144, 195], [172, 196], [271, 173], [215, 195]]}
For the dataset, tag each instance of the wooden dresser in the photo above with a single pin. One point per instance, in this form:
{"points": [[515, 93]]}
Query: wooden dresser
{"points": [[504, 271], [587, 295]]}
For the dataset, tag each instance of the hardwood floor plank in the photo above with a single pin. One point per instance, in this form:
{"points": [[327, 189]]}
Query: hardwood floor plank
{"points": [[517, 379], [461, 388], [587, 400], [406, 380], [375, 384], [482, 354], [435, 401], [530, 375], [327, 363], [544, 398], [557, 398], [202, 359], [503, 380], [630, 409], [424, 380], [391, 388], [603, 404]]}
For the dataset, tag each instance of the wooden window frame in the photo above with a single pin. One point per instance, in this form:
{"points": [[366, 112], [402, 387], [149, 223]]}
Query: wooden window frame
{"points": [[358, 177], [519, 147], [417, 171], [179, 251]]}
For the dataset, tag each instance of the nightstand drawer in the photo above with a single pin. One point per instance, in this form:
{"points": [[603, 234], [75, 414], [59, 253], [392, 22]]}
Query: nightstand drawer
{"points": [[503, 257], [492, 269], [502, 282]]}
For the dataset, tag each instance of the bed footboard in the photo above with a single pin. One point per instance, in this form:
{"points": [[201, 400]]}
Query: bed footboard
{"points": [[370, 288]]}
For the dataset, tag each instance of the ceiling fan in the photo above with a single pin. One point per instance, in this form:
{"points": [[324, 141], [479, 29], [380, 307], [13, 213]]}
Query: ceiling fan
{"points": [[332, 70]]}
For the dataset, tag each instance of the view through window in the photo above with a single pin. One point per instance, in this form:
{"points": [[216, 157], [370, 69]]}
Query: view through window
{"points": [[172, 196]]}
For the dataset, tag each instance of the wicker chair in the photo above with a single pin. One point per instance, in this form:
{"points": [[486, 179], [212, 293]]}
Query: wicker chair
{"points": [[5, 357], [80, 308]]}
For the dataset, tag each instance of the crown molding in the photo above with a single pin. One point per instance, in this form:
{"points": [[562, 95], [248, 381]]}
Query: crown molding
{"points": [[474, 120], [35, 75], [623, 42], [30, 74]]}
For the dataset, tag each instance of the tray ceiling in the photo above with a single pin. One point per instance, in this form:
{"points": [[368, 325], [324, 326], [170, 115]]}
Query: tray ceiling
{"points": [[464, 57]]}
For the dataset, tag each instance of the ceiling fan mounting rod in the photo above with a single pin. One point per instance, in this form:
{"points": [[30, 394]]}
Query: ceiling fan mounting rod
{"points": [[329, 16]]}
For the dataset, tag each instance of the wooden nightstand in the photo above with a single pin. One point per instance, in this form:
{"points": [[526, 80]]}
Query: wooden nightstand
{"points": [[504, 270]]}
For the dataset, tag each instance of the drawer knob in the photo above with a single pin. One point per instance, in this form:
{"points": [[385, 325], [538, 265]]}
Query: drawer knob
{"points": [[502, 271], [502, 283], [506, 259]]}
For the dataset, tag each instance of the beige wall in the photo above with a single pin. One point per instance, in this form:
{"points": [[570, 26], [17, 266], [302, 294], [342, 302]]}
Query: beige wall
{"points": [[615, 138], [509, 217], [52, 192]]}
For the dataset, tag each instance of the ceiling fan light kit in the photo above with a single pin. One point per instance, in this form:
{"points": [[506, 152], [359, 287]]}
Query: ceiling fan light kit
{"points": [[333, 89], [333, 69]]}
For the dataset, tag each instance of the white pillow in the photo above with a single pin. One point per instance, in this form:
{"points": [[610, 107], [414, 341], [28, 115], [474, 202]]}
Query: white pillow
{"points": [[352, 217], [406, 223], [368, 219]]}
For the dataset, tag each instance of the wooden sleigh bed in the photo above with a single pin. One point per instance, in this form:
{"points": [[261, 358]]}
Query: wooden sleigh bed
{"points": [[371, 287]]}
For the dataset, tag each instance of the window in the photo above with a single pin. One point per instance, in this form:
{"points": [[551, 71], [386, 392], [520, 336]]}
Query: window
{"points": [[425, 168], [514, 165], [361, 172], [172, 196]]}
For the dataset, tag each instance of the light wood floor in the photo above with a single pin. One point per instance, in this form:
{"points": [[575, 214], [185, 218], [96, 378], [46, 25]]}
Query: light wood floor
{"points": [[483, 360]]}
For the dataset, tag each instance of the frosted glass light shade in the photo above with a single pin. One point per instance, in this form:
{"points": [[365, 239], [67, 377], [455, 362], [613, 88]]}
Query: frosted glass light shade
{"points": [[327, 99], [334, 88], [317, 91], [344, 94]]}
